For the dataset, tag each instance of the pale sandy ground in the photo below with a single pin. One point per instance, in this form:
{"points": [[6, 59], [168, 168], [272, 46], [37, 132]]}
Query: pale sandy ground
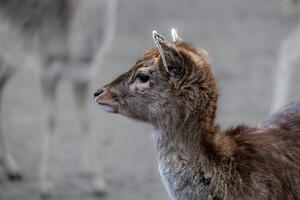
{"points": [[242, 38]]}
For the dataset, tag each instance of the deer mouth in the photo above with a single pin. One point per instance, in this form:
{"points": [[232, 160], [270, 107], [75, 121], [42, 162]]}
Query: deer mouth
{"points": [[107, 105], [107, 108]]}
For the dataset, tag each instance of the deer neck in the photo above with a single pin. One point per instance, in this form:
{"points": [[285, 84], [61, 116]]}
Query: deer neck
{"points": [[191, 139], [193, 149], [184, 159]]}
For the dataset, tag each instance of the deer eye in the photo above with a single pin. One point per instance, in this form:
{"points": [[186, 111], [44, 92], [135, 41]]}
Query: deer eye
{"points": [[142, 77]]}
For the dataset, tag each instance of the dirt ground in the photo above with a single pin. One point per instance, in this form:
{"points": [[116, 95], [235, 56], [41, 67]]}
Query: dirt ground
{"points": [[243, 39]]}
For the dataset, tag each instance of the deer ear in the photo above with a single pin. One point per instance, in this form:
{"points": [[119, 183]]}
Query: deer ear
{"points": [[171, 59], [162, 46]]}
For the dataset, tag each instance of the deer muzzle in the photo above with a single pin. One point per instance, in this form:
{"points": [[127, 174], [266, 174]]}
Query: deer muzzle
{"points": [[105, 101]]}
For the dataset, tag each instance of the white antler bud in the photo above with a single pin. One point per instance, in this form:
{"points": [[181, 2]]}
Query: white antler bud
{"points": [[175, 35]]}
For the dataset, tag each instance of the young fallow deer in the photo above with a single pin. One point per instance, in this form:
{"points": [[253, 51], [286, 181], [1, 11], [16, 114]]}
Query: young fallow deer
{"points": [[63, 38], [173, 88]]}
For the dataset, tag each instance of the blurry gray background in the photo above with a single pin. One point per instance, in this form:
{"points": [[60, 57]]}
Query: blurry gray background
{"points": [[243, 39]]}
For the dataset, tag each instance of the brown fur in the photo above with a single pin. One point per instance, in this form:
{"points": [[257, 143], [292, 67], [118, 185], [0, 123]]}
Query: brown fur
{"points": [[240, 163]]}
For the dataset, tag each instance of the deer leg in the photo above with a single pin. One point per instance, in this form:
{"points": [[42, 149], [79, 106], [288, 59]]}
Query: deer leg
{"points": [[9, 165], [81, 97], [288, 55], [49, 96]]}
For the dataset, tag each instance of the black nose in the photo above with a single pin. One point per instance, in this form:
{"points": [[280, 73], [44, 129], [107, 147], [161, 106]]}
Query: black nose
{"points": [[97, 93]]}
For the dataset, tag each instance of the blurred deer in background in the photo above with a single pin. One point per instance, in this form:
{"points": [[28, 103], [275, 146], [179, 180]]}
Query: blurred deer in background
{"points": [[289, 55], [62, 38]]}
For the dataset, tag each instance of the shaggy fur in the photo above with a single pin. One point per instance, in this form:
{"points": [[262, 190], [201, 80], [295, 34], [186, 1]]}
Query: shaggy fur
{"points": [[197, 160]]}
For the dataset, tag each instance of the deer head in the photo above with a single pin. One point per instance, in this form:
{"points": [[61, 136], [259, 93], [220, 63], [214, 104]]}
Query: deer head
{"points": [[169, 83]]}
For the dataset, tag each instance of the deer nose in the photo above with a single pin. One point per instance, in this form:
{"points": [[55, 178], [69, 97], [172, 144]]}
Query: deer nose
{"points": [[98, 93]]}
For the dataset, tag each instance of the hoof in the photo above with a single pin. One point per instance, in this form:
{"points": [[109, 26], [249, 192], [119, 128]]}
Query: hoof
{"points": [[12, 169], [45, 195], [46, 190], [99, 187], [14, 176]]}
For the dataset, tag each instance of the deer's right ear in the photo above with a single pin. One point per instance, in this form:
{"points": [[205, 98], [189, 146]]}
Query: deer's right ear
{"points": [[168, 55], [161, 45]]}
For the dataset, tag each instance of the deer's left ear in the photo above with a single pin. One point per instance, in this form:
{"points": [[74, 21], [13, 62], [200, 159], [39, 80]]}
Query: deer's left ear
{"points": [[171, 59]]}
